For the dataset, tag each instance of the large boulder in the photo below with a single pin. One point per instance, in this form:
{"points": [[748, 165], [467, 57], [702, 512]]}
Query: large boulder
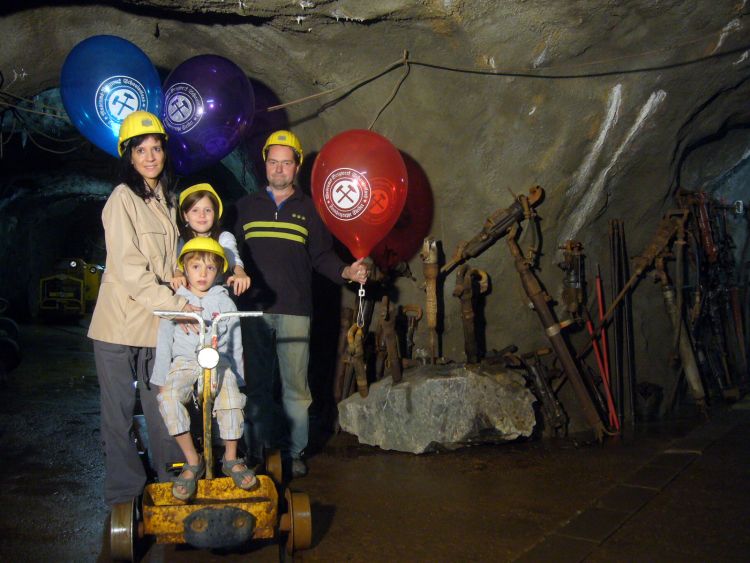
{"points": [[440, 407]]}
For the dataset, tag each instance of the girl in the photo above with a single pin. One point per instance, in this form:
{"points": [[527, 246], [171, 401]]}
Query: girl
{"points": [[200, 211]]}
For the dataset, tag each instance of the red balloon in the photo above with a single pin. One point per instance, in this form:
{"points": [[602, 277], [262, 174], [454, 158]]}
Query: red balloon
{"points": [[413, 225], [359, 185]]}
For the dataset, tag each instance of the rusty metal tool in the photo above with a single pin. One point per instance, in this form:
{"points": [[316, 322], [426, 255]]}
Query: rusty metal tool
{"points": [[413, 314], [464, 290], [495, 227], [381, 351], [539, 381], [687, 355], [364, 313], [540, 300], [356, 351], [390, 339], [347, 318], [572, 265], [429, 256]]}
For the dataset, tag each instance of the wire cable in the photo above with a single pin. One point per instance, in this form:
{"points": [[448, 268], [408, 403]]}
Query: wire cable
{"points": [[29, 100], [407, 68], [563, 72], [29, 110], [42, 133], [53, 151]]}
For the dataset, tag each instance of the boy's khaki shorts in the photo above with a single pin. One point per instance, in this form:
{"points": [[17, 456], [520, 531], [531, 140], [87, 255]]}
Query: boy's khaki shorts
{"points": [[178, 390]]}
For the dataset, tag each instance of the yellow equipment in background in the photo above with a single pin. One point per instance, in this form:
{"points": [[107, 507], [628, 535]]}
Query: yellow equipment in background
{"points": [[71, 289]]}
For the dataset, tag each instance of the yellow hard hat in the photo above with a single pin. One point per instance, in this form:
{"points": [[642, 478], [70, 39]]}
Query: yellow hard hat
{"points": [[287, 139], [202, 244], [202, 188], [139, 123]]}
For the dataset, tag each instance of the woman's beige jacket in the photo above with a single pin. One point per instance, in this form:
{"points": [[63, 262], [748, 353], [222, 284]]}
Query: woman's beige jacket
{"points": [[141, 239]]}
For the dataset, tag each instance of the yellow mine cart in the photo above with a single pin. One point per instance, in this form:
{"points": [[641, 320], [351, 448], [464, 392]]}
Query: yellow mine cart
{"points": [[70, 289], [220, 515]]}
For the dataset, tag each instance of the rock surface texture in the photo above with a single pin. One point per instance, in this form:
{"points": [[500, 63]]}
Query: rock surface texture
{"points": [[435, 408]]}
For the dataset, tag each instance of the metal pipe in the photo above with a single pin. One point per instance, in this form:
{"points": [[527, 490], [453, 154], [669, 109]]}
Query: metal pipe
{"points": [[687, 355], [617, 328], [627, 325], [600, 364], [613, 420]]}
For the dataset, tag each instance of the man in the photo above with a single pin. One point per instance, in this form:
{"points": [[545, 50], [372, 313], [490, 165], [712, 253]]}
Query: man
{"points": [[282, 239]]}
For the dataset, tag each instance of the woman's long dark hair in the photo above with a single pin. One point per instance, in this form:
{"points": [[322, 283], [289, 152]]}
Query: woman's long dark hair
{"points": [[185, 231], [129, 176]]}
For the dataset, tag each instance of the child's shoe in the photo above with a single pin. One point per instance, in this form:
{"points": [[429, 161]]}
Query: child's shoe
{"points": [[239, 476], [188, 482]]}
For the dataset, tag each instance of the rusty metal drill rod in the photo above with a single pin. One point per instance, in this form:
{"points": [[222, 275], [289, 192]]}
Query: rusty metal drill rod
{"points": [[430, 270], [600, 364], [617, 328], [613, 419], [627, 324]]}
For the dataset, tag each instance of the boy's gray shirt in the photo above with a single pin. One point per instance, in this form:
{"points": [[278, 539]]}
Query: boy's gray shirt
{"points": [[173, 343]]}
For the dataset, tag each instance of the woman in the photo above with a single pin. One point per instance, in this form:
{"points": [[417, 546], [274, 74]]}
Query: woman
{"points": [[141, 238]]}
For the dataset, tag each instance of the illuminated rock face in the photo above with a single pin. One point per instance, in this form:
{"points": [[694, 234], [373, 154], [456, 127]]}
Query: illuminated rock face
{"points": [[440, 408]]}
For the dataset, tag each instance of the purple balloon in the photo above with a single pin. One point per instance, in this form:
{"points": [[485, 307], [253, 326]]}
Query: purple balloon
{"points": [[208, 106]]}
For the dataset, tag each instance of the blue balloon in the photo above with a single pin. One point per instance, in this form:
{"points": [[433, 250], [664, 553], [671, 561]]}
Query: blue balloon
{"points": [[103, 80], [208, 106]]}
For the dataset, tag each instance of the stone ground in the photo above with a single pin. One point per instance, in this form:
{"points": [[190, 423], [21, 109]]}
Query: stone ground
{"points": [[668, 493]]}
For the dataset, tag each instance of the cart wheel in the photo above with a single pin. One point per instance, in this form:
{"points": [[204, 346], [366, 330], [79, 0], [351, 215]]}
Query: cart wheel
{"points": [[273, 465], [297, 521], [122, 531], [9, 327]]}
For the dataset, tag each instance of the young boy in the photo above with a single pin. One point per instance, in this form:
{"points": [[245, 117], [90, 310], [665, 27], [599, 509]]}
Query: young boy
{"points": [[176, 369]]}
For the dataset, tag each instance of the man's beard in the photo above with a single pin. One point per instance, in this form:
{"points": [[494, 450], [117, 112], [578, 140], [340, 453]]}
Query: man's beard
{"points": [[278, 183]]}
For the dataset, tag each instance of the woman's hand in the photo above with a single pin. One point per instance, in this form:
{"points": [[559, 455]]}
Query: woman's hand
{"points": [[240, 281], [189, 325], [178, 280]]}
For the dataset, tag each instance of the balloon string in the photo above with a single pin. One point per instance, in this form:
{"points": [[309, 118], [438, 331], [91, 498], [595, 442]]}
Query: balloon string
{"points": [[361, 308]]}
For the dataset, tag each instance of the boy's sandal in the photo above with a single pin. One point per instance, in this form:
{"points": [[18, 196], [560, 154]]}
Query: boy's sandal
{"points": [[188, 482], [239, 476]]}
